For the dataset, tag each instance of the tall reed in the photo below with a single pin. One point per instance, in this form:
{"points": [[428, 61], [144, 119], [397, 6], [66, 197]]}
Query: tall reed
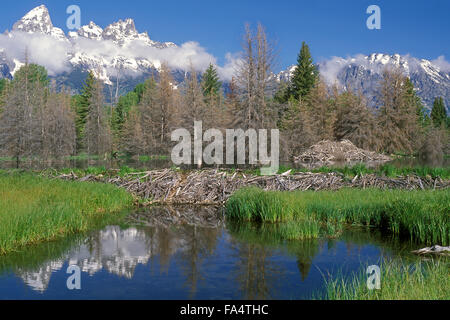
{"points": [[423, 216]]}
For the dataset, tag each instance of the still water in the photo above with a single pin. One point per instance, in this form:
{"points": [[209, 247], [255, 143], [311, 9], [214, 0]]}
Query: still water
{"points": [[154, 164], [190, 253]]}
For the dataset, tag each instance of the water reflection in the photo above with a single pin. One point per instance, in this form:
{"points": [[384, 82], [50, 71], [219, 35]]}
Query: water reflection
{"points": [[197, 255], [165, 162]]}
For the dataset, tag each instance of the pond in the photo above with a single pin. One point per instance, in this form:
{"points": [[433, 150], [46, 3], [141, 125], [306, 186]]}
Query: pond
{"points": [[162, 163], [190, 253]]}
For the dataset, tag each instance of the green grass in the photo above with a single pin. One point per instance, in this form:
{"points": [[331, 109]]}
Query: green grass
{"points": [[418, 281], [387, 170], [34, 209], [423, 216]]}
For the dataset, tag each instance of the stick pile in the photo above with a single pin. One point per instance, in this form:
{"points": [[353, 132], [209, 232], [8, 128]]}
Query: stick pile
{"points": [[215, 186], [329, 152]]}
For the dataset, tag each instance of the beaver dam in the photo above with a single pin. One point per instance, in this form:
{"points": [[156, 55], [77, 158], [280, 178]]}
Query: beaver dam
{"points": [[215, 186]]}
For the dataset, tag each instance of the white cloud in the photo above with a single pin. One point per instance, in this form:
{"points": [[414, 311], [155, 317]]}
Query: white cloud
{"points": [[54, 54], [233, 61], [42, 49], [443, 64]]}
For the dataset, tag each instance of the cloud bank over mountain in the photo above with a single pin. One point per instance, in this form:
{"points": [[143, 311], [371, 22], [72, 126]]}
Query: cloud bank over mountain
{"points": [[117, 48]]}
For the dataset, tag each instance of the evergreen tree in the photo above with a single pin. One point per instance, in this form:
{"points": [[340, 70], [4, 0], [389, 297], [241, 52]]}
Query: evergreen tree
{"points": [[438, 113], [124, 105], [147, 112], [3, 83], [33, 73], [305, 75], [414, 100], [82, 106], [211, 85]]}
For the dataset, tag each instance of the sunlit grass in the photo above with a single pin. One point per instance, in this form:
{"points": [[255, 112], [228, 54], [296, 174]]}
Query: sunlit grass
{"points": [[422, 216], [428, 280], [387, 170], [34, 209]]}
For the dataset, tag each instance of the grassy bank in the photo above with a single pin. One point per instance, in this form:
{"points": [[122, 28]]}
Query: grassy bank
{"points": [[422, 216], [419, 281], [34, 209], [385, 170]]}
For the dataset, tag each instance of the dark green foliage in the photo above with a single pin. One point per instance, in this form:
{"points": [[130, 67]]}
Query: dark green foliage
{"points": [[305, 75], [125, 103], [438, 113], [34, 73], [211, 85], [81, 107], [3, 83], [416, 101], [123, 108]]}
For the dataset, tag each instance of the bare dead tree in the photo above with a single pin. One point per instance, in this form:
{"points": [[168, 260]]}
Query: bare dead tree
{"points": [[252, 78], [98, 135], [397, 117]]}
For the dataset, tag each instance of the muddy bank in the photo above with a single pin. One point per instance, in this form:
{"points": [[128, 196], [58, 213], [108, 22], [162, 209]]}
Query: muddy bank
{"points": [[215, 186]]}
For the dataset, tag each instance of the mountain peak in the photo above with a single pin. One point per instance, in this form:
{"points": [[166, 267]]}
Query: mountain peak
{"points": [[37, 20], [91, 31]]}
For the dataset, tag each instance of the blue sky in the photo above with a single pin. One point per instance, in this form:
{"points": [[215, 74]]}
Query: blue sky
{"points": [[331, 28]]}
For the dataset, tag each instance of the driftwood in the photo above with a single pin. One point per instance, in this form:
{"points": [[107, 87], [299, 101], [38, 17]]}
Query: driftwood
{"points": [[215, 186], [434, 250], [328, 152]]}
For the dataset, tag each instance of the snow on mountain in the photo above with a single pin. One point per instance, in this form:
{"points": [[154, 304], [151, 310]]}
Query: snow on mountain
{"points": [[90, 31], [117, 50], [364, 73], [38, 21], [121, 51]]}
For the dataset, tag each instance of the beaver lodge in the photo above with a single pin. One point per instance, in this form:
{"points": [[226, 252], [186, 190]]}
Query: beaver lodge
{"points": [[329, 152]]}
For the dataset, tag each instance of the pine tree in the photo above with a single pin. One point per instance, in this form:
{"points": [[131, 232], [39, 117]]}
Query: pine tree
{"points": [[210, 82], [147, 109], [120, 112], [3, 84], [82, 107], [438, 113], [414, 100], [305, 75]]}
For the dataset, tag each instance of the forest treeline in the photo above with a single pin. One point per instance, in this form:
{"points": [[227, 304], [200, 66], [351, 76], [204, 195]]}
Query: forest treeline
{"points": [[38, 121]]}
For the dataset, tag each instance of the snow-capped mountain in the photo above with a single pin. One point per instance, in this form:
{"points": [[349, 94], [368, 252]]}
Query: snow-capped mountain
{"points": [[38, 21], [117, 50], [364, 73], [123, 57]]}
